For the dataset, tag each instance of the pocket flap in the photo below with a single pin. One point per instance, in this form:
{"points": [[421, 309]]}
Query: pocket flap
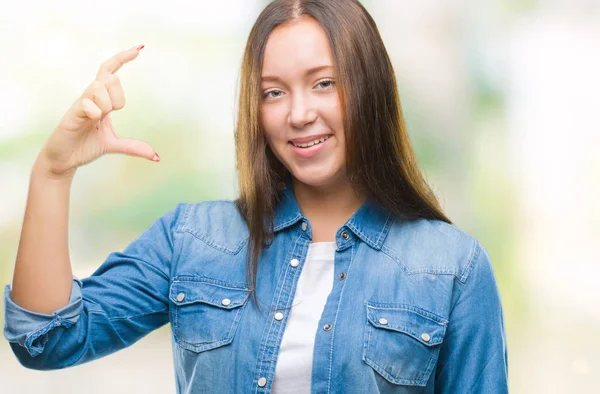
{"points": [[419, 324], [191, 291]]}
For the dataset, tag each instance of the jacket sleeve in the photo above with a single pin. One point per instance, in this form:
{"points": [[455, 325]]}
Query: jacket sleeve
{"points": [[121, 302], [473, 358]]}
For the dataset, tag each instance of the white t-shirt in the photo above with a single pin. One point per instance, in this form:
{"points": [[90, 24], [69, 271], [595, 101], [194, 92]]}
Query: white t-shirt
{"points": [[294, 363]]}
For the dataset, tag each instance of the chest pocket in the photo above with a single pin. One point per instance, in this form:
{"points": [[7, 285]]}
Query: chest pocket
{"points": [[402, 343], [205, 314]]}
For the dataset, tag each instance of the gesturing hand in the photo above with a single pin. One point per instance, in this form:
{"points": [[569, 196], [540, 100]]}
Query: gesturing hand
{"points": [[85, 132]]}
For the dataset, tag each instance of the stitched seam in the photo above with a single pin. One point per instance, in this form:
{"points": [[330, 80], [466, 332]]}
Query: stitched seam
{"points": [[385, 227], [266, 341], [177, 243], [286, 270], [370, 331], [285, 224], [209, 242], [184, 216], [337, 312], [363, 236], [389, 376], [204, 346], [388, 252], [206, 279], [54, 323], [290, 302], [475, 251], [428, 370], [475, 256], [413, 309], [203, 237]]}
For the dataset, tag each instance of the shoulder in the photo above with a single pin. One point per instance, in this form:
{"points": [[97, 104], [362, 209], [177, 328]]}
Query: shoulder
{"points": [[426, 246], [216, 222]]}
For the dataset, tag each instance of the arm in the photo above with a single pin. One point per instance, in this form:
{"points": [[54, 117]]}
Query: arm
{"points": [[124, 300], [42, 275], [473, 358]]}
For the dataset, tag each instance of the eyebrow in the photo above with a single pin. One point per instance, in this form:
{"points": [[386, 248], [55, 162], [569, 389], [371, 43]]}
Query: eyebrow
{"points": [[308, 72]]}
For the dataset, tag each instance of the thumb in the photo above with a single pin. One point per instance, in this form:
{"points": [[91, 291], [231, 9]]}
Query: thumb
{"points": [[133, 147]]}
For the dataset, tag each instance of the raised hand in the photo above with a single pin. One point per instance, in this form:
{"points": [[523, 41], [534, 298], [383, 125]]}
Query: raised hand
{"points": [[85, 132]]}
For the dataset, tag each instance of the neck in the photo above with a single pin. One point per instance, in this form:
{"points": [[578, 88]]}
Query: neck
{"points": [[327, 207]]}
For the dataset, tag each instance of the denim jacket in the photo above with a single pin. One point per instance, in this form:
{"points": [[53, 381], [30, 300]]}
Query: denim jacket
{"points": [[414, 307]]}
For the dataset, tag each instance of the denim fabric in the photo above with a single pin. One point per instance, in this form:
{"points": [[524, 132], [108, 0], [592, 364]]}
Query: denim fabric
{"points": [[417, 311]]}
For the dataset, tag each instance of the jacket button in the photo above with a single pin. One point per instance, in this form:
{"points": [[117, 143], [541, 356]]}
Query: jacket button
{"points": [[425, 337], [342, 275], [304, 226], [278, 316], [262, 382], [345, 235], [180, 297], [226, 301], [294, 262], [327, 327], [383, 321]]}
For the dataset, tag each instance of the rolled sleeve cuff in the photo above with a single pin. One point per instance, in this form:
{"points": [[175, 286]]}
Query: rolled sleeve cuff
{"points": [[29, 329]]}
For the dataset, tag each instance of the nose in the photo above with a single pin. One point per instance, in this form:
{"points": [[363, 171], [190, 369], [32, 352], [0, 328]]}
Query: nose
{"points": [[302, 112]]}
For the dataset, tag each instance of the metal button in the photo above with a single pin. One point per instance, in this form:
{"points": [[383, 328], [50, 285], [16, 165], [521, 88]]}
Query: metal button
{"points": [[383, 321], [327, 327], [294, 262], [262, 382], [180, 297], [345, 235], [342, 275], [226, 301], [425, 337], [278, 316], [304, 226]]}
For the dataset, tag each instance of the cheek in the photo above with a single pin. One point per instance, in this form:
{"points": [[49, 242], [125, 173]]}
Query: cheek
{"points": [[331, 111], [271, 125], [271, 120]]}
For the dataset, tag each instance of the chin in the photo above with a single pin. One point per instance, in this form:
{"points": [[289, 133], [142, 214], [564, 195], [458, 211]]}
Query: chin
{"points": [[316, 177]]}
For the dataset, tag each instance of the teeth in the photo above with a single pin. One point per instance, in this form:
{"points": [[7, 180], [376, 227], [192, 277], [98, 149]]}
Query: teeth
{"points": [[308, 144]]}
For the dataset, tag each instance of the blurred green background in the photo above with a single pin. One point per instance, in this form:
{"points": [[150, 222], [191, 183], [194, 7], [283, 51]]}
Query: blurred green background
{"points": [[499, 98]]}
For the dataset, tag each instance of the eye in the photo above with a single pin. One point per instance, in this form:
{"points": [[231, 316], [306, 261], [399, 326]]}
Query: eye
{"points": [[326, 84], [272, 94]]}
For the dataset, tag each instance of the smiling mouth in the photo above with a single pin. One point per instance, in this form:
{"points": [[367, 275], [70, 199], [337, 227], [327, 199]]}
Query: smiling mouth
{"points": [[311, 143]]}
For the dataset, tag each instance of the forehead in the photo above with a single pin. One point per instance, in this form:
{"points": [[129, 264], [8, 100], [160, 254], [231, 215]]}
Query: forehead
{"points": [[295, 47]]}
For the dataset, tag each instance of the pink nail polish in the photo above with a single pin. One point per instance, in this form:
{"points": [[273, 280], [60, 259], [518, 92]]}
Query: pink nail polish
{"points": [[140, 47], [156, 157]]}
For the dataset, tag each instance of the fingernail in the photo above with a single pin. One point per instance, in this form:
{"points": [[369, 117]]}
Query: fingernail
{"points": [[156, 157], [140, 47]]}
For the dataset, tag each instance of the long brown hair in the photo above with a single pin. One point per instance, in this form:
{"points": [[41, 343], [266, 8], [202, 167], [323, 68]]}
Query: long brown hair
{"points": [[380, 162]]}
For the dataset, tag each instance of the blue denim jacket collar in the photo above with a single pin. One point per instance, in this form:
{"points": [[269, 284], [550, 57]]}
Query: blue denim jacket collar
{"points": [[371, 222]]}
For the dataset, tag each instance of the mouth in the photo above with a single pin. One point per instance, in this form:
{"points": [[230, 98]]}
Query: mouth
{"points": [[312, 148], [308, 144]]}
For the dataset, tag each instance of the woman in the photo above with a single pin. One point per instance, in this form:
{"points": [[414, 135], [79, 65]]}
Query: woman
{"points": [[357, 280]]}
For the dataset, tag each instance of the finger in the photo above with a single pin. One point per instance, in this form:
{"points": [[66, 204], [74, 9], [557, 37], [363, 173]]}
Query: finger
{"points": [[113, 64], [97, 92], [132, 147], [100, 96], [115, 91], [86, 108]]}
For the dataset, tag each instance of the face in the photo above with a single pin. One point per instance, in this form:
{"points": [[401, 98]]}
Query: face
{"points": [[300, 108]]}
